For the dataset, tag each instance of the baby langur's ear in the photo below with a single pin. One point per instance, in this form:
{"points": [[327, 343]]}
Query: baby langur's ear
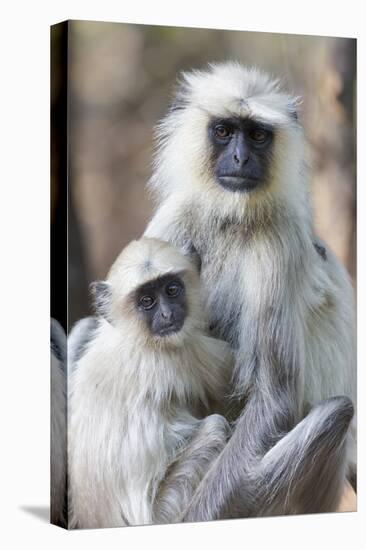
{"points": [[102, 295], [189, 250]]}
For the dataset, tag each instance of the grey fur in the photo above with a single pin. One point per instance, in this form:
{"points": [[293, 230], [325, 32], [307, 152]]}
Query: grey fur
{"points": [[311, 473], [285, 309], [58, 425], [303, 473], [189, 467], [82, 333], [58, 342]]}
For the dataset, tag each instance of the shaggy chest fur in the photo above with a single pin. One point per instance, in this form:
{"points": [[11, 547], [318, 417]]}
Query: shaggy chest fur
{"points": [[126, 425], [245, 275], [272, 297]]}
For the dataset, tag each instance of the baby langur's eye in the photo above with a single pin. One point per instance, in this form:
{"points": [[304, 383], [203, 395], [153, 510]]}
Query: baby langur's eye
{"points": [[147, 302], [259, 135], [222, 131], [173, 289]]}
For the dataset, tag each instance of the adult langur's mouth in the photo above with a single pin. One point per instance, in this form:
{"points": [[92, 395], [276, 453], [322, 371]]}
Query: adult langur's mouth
{"points": [[238, 183]]}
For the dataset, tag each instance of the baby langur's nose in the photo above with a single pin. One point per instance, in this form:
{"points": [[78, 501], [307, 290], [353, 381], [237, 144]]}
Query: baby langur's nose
{"points": [[166, 313]]}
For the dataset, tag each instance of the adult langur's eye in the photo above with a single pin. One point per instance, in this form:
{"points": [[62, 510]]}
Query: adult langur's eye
{"points": [[147, 302], [259, 135], [222, 131], [173, 289]]}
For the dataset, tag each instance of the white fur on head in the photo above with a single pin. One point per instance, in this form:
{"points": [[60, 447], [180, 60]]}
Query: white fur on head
{"points": [[142, 261], [183, 159], [228, 89]]}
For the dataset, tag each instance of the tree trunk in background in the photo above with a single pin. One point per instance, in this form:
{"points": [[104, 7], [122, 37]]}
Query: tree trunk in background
{"points": [[333, 147], [78, 282]]}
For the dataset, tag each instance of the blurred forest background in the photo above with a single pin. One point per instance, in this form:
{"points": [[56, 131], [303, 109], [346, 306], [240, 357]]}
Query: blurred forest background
{"points": [[121, 78]]}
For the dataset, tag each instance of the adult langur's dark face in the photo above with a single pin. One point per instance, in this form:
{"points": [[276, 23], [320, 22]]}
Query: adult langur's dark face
{"points": [[241, 152]]}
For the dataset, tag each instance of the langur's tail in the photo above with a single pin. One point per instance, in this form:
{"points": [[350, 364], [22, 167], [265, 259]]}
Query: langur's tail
{"points": [[305, 472]]}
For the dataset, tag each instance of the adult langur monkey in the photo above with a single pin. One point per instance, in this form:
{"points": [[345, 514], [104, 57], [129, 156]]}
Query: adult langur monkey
{"points": [[231, 181], [140, 392]]}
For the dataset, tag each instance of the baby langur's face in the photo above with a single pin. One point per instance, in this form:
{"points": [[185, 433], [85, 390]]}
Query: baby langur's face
{"points": [[162, 303]]}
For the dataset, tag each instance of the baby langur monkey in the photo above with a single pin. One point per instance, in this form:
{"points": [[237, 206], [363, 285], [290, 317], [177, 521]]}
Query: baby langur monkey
{"points": [[139, 438]]}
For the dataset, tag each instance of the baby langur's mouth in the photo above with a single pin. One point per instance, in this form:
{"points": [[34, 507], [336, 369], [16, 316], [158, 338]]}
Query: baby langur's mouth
{"points": [[170, 328], [238, 183]]}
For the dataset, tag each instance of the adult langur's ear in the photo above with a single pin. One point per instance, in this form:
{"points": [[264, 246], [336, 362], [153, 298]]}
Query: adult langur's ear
{"points": [[102, 296], [190, 250], [294, 107], [293, 112], [178, 104]]}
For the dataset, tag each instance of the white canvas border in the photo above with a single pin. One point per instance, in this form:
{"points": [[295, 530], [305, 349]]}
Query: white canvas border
{"points": [[25, 270]]}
